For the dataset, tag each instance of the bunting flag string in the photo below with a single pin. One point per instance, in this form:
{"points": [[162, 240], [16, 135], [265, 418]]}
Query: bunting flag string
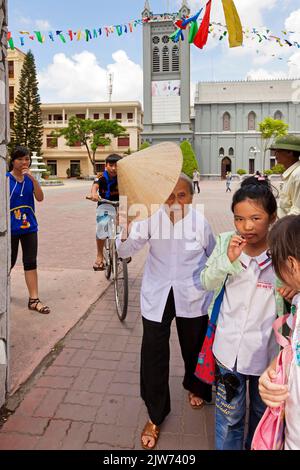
{"points": [[197, 30], [86, 34]]}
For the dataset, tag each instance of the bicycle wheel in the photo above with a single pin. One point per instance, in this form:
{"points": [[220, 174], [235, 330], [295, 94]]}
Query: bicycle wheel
{"points": [[120, 274], [107, 259]]}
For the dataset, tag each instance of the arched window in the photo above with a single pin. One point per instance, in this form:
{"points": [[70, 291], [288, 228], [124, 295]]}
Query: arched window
{"points": [[221, 152], [231, 152], [226, 122], [175, 59], [166, 59], [278, 115], [251, 121], [156, 60]]}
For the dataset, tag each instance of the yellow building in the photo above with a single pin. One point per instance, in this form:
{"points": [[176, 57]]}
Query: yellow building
{"points": [[60, 157], [15, 61], [56, 154]]}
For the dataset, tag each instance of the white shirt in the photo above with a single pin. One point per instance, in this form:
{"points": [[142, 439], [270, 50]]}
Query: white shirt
{"points": [[176, 257], [289, 197], [292, 405], [196, 176], [244, 335]]}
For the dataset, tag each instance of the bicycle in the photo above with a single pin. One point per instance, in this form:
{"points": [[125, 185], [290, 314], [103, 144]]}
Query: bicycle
{"points": [[115, 267]]}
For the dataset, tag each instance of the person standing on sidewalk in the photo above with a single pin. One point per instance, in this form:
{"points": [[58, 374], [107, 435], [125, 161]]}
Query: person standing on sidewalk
{"points": [[180, 241], [24, 227], [228, 181], [105, 186], [196, 180], [287, 152]]}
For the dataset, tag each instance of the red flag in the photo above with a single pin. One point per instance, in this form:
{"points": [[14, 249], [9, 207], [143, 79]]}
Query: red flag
{"points": [[202, 35]]}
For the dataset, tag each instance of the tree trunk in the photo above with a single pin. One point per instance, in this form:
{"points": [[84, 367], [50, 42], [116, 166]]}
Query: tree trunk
{"points": [[91, 157], [4, 208]]}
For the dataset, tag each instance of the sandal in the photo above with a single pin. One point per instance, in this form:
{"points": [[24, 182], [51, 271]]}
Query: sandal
{"points": [[152, 431], [98, 266], [36, 304], [195, 406]]}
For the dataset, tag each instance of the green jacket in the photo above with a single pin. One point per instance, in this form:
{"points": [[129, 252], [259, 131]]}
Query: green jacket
{"points": [[218, 266]]}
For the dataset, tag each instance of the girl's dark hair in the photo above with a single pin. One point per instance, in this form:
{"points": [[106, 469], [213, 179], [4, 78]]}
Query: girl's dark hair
{"points": [[284, 241], [257, 189], [18, 152]]}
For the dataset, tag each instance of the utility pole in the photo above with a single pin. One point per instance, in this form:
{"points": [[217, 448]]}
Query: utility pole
{"points": [[4, 207], [110, 85]]}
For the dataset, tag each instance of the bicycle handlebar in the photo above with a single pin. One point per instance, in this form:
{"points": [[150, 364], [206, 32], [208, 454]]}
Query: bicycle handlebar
{"points": [[107, 201]]}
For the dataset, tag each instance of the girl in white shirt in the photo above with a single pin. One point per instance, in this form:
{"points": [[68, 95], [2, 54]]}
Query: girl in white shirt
{"points": [[244, 343], [284, 243]]}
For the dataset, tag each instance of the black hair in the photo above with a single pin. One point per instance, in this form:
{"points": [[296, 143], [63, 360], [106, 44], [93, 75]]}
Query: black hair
{"points": [[257, 189], [113, 158], [284, 241], [18, 152]]}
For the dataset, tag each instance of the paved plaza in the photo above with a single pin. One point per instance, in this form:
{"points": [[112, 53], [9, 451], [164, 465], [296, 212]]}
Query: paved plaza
{"points": [[85, 392]]}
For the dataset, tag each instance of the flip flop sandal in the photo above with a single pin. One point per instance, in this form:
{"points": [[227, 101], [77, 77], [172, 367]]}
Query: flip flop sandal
{"points": [[33, 304], [192, 396], [152, 431], [99, 266]]}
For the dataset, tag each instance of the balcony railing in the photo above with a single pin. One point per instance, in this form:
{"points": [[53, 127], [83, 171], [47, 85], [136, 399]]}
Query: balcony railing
{"points": [[59, 123], [125, 123]]}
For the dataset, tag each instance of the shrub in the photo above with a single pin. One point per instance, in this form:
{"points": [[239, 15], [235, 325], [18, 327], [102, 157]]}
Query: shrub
{"points": [[268, 172], [189, 159], [144, 145], [278, 169], [241, 171]]}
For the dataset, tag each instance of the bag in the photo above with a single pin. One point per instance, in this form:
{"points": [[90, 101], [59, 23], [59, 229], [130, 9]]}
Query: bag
{"points": [[206, 368], [269, 434]]}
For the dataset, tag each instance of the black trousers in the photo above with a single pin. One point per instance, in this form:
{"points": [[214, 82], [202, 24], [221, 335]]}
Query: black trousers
{"points": [[29, 242], [155, 358], [196, 185]]}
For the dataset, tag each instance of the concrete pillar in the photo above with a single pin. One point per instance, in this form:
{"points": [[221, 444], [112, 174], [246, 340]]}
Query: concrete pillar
{"points": [[4, 207]]}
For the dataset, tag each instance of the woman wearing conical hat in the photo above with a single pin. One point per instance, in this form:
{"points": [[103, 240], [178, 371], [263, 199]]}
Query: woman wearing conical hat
{"points": [[180, 241]]}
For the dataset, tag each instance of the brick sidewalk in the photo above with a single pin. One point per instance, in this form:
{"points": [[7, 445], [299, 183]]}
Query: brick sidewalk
{"points": [[88, 397]]}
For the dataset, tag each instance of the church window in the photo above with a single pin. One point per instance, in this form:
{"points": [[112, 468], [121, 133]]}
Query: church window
{"points": [[166, 59], [156, 60], [175, 59]]}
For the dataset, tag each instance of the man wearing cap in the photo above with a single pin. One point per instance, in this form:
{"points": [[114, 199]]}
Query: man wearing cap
{"points": [[287, 152], [180, 241], [105, 186]]}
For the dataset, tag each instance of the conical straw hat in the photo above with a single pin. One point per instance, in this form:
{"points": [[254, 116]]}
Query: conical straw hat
{"points": [[148, 177]]}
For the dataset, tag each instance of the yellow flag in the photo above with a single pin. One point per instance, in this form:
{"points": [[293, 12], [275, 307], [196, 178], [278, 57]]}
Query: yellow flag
{"points": [[233, 22]]}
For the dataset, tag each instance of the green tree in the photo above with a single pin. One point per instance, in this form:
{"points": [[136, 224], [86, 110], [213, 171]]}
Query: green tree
{"points": [[28, 123], [189, 159], [270, 128], [90, 133]]}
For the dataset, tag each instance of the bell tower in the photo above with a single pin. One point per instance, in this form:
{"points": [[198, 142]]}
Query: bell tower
{"points": [[166, 70]]}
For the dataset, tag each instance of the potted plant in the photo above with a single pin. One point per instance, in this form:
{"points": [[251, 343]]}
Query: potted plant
{"points": [[68, 172]]}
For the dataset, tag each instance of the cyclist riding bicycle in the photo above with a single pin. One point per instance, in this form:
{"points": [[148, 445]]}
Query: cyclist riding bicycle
{"points": [[105, 186]]}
